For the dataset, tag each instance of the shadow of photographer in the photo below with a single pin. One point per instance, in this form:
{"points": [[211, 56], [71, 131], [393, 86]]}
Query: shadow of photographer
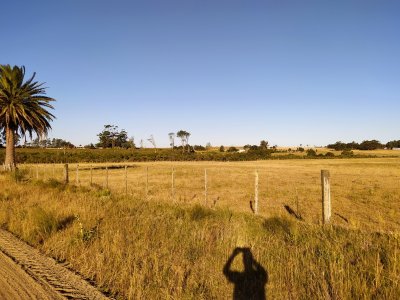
{"points": [[249, 284]]}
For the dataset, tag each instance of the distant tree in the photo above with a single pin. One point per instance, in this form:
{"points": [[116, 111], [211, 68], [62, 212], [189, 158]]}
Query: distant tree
{"points": [[352, 145], [187, 142], [329, 154], [340, 146], [300, 149], [246, 147], [23, 108], [371, 145], [112, 137], [184, 136], [233, 149], [263, 145], [121, 139], [393, 144], [107, 136], [89, 146], [311, 153], [347, 153], [222, 149], [365, 145], [171, 136], [208, 146], [199, 148], [43, 143]]}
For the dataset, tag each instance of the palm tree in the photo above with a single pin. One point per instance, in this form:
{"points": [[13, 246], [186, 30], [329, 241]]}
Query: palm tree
{"points": [[23, 108]]}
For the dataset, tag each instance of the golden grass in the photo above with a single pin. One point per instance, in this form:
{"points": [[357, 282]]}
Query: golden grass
{"points": [[364, 191], [159, 247]]}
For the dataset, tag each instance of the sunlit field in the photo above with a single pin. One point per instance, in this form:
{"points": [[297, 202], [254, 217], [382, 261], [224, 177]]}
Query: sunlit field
{"points": [[366, 192], [145, 240]]}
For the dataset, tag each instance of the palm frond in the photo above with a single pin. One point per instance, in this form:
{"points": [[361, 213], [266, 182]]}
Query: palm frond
{"points": [[24, 106]]}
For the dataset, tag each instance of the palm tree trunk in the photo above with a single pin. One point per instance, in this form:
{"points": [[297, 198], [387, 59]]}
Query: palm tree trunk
{"points": [[9, 163]]}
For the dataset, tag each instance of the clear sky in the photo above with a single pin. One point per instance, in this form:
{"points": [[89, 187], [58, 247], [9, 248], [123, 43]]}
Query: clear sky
{"points": [[229, 72]]}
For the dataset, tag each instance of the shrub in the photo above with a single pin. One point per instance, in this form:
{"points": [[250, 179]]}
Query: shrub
{"points": [[19, 175], [311, 153], [40, 224], [329, 154], [233, 149], [199, 148], [347, 153]]}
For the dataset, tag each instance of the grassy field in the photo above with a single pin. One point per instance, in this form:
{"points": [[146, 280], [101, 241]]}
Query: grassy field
{"points": [[152, 245], [364, 191]]}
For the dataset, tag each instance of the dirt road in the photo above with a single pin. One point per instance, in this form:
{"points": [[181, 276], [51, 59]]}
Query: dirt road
{"points": [[27, 274]]}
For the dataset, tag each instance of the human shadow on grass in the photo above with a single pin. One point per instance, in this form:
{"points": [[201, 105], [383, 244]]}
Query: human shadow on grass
{"points": [[249, 284]]}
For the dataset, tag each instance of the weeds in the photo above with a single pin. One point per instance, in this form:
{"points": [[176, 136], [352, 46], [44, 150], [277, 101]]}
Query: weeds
{"points": [[19, 175], [148, 249]]}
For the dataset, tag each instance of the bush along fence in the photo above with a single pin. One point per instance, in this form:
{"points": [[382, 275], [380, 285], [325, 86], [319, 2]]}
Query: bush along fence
{"points": [[121, 180]]}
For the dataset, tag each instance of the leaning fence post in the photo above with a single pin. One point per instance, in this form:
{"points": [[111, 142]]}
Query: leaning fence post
{"points": [[256, 193], [205, 186], [66, 177], [326, 196]]}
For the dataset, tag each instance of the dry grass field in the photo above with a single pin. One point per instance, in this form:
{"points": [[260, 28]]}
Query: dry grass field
{"points": [[364, 191], [152, 245]]}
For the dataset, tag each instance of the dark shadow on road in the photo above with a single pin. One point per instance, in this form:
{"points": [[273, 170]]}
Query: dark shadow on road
{"points": [[249, 284]]}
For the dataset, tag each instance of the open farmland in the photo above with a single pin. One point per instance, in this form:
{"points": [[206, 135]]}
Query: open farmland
{"points": [[366, 192], [139, 246]]}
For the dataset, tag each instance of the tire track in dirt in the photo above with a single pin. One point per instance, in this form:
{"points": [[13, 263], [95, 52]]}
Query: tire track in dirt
{"points": [[16, 284], [48, 280]]}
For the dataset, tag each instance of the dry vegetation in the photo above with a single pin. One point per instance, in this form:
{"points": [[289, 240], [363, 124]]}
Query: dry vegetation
{"points": [[161, 246], [364, 191]]}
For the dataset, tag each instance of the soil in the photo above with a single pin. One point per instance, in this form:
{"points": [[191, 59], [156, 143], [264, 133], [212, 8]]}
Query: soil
{"points": [[25, 273]]}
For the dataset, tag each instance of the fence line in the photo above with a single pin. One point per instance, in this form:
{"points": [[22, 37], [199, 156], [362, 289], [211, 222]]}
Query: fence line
{"points": [[255, 205]]}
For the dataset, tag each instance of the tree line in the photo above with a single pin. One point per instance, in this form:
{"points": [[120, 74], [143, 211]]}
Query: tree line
{"points": [[364, 145]]}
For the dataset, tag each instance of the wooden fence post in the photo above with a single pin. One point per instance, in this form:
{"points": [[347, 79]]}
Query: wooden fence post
{"points": [[126, 181], [205, 186], [256, 193], [326, 196], [77, 174], [66, 175]]}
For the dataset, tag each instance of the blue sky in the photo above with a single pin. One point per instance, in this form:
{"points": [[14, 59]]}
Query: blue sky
{"points": [[229, 72]]}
